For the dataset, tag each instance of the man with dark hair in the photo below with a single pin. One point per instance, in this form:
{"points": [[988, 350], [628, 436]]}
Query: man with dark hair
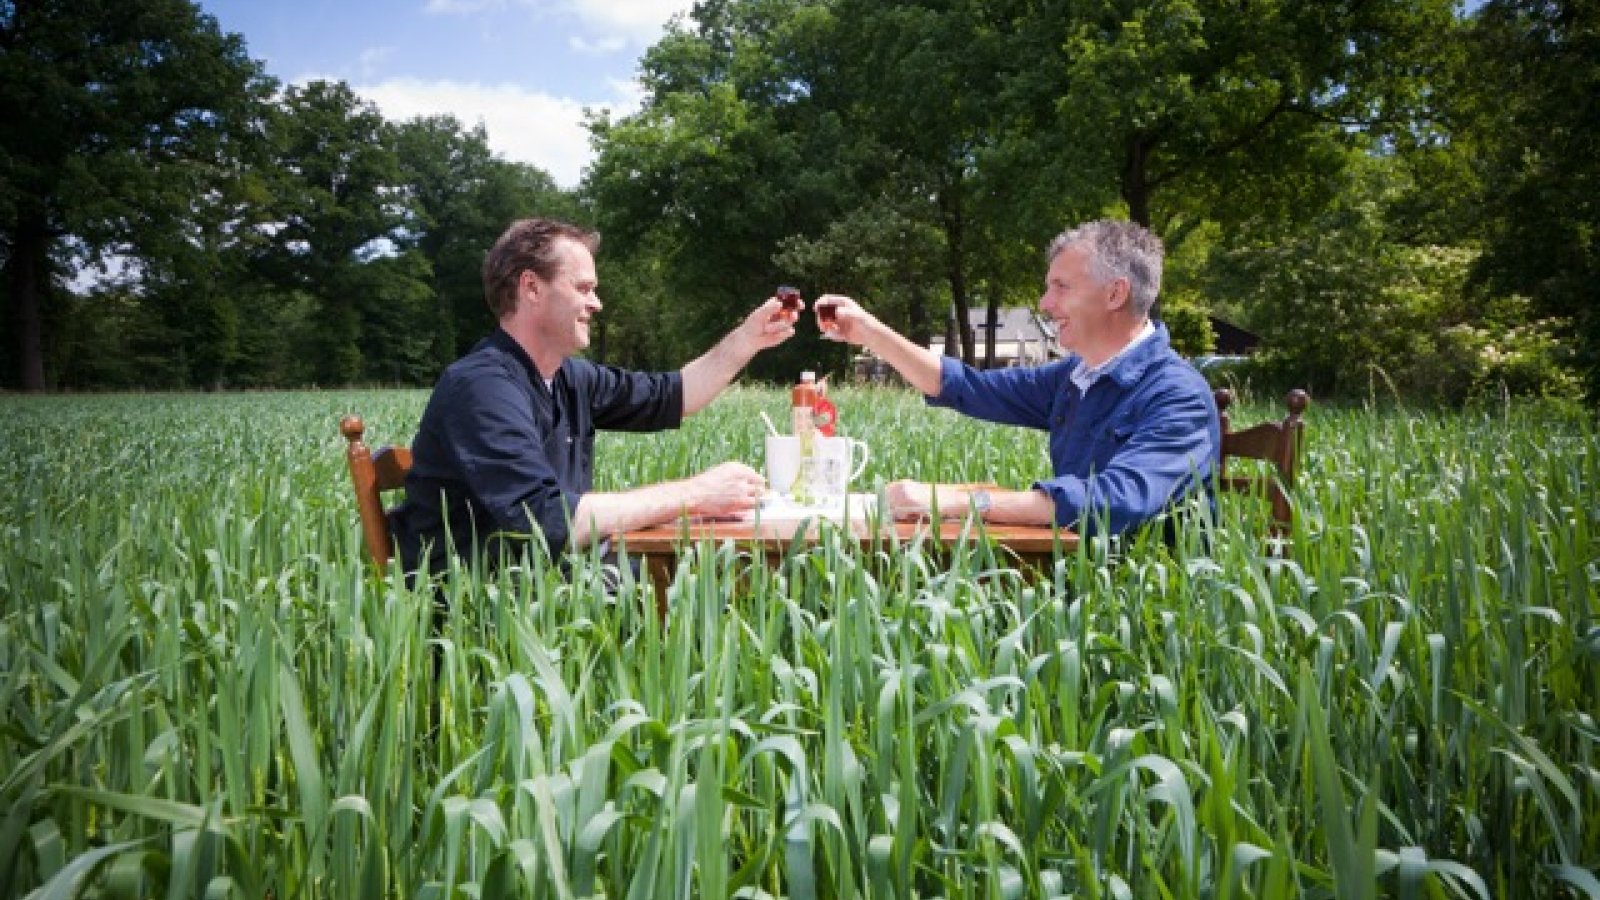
{"points": [[1133, 427], [505, 449]]}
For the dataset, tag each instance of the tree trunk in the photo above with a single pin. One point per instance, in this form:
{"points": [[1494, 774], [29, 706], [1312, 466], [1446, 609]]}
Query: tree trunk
{"points": [[28, 273], [989, 333], [917, 312], [1136, 190], [1135, 185], [954, 237]]}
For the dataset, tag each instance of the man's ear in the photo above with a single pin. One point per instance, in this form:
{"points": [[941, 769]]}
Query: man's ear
{"points": [[528, 287], [1121, 293]]}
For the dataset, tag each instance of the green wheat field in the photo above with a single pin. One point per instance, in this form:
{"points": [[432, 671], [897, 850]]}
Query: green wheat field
{"points": [[205, 691]]}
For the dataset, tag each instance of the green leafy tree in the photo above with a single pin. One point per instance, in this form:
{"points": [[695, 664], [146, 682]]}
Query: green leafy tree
{"points": [[1187, 112], [190, 273], [1231, 109], [1529, 108], [992, 125], [340, 209], [115, 113], [1350, 302], [730, 155], [1315, 291], [462, 197], [877, 252], [922, 80]]}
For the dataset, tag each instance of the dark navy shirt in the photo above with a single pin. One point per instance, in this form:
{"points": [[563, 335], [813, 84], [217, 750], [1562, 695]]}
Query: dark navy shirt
{"points": [[500, 455], [1143, 435]]}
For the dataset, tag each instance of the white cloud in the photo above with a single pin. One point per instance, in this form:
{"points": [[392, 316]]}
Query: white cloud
{"points": [[611, 24], [629, 96], [639, 20], [601, 47], [523, 125], [371, 59]]}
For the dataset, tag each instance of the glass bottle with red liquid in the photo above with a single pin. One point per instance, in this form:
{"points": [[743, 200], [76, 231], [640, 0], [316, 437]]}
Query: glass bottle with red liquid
{"points": [[803, 410]]}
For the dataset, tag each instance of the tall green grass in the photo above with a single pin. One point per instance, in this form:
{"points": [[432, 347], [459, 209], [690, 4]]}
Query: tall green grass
{"points": [[205, 692]]}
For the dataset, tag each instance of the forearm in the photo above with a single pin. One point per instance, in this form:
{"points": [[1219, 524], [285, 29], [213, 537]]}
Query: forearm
{"points": [[600, 515], [953, 501], [918, 365], [707, 376], [725, 489], [1020, 508]]}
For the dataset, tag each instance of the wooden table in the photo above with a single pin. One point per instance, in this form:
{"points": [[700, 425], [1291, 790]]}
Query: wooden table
{"points": [[1033, 546]]}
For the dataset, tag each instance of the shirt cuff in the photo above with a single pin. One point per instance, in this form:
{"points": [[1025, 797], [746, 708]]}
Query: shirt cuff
{"points": [[1069, 495]]}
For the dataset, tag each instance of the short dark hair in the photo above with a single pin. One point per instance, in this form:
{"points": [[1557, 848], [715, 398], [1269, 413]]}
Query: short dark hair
{"points": [[528, 245]]}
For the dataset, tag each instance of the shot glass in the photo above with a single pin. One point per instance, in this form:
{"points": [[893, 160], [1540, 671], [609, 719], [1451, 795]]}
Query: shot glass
{"points": [[825, 316], [789, 297]]}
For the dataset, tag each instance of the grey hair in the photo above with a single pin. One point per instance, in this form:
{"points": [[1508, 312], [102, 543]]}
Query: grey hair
{"points": [[1119, 249]]}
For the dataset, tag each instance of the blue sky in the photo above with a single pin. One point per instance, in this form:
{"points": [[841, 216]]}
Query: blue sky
{"points": [[525, 68]]}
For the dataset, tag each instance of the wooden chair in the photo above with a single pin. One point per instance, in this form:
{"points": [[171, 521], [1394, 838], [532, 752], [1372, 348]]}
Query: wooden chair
{"points": [[373, 473], [1277, 443]]}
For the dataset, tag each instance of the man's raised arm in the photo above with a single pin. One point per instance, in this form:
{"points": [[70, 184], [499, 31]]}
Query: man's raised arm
{"points": [[707, 376]]}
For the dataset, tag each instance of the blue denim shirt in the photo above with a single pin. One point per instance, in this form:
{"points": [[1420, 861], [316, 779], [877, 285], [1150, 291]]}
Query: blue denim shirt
{"points": [[499, 453], [1142, 436]]}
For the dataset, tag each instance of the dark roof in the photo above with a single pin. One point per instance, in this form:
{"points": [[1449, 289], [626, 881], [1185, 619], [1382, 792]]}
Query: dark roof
{"points": [[1231, 339]]}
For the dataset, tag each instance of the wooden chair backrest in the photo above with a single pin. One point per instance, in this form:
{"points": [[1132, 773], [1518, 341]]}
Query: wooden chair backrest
{"points": [[372, 473], [1277, 443]]}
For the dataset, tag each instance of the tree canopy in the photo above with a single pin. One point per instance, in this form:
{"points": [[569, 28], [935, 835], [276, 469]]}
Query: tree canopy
{"points": [[1385, 190], [117, 116]]}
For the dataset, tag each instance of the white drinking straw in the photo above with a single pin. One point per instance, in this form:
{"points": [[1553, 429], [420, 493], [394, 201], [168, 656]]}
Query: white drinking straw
{"points": [[768, 419]]}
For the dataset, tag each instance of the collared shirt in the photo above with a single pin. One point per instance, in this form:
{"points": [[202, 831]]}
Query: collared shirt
{"points": [[1084, 377], [501, 455], [1140, 437]]}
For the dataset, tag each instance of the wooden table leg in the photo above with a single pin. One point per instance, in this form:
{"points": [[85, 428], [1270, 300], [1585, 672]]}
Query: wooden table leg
{"points": [[660, 568]]}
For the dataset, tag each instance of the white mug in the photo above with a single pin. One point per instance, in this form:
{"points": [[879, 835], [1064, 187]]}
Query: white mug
{"points": [[837, 464], [783, 462]]}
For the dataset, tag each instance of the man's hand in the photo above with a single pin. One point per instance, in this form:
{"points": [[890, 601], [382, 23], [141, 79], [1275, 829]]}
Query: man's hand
{"points": [[767, 326], [841, 318], [915, 500], [704, 378], [910, 500], [725, 489], [722, 490]]}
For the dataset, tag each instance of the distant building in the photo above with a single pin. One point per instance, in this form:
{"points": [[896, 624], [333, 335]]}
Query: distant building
{"points": [[1022, 337], [1025, 337]]}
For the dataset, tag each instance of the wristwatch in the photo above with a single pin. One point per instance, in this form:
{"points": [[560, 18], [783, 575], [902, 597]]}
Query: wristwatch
{"points": [[981, 502]]}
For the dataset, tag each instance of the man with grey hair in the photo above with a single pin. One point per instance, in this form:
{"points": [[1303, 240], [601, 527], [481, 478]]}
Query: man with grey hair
{"points": [[1132, 426]]}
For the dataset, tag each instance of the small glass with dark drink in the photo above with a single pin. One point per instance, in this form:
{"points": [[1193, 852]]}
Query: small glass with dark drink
{"points": [[825, 316], [789, 297]]}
